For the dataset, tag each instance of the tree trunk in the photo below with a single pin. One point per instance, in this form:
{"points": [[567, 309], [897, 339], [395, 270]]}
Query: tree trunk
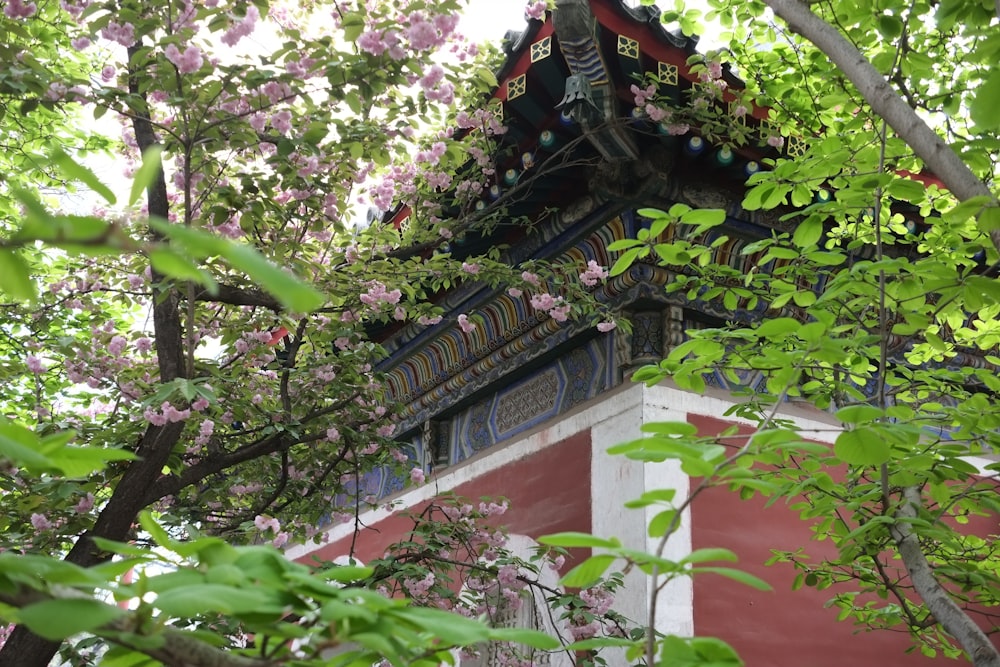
{"points": [[970, 636], [24, 649]]}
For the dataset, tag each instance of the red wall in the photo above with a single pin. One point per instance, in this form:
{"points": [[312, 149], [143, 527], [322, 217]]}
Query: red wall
{"points": [[780, 628], [549, 492]]}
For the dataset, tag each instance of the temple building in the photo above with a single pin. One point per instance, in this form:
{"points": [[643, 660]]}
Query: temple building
{"points": [[526, 407]]}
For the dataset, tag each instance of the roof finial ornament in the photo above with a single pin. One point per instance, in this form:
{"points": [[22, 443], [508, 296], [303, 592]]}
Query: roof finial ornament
{"points": [[579, 99]]}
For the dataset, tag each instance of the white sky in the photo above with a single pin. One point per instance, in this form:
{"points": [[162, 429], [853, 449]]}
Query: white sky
{"points": [[489, 20]]}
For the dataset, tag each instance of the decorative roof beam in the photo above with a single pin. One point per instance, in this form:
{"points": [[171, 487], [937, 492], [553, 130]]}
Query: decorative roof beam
{"points": [[595, 109]]}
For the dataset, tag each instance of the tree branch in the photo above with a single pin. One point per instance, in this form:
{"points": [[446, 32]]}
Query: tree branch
{"points": [[973, 640], [178, 647], [239, 296], [886, 102]]}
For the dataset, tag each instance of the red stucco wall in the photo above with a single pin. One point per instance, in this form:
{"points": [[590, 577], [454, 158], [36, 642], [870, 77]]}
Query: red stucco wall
{"points": [[549, 491], [781, 628]]}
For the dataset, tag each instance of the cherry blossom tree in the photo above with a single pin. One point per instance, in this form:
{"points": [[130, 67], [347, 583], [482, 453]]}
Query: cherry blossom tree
{"points": [[191, 358]]}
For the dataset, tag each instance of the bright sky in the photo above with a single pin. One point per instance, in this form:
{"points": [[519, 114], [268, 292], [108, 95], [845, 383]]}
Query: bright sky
{"points": [[489, 20]]}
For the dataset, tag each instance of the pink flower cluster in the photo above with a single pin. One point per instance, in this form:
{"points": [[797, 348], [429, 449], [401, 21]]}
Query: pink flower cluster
{"points": [[417, 476], [481, 119], [377, 294], [536, 10], [643, 95], [241, 28], [422, 32], [417, 588], [124, 34], [18, 9], [167, 413], [187, 61], [464, 324], [605, 327], [593, 274], [34, 364], [263, 522], [556, 308]]}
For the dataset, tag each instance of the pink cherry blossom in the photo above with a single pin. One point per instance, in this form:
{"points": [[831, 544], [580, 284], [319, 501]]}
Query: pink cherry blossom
{"points": [[657, 114], [605, 327], [116, 346], [85, 504], [464, 324], [190, 60], [18, 9], [263, 522], [282, 121], [241, 28], [123, 34], [34, 364], [560, 313], [643, 95], [543, 301], [536, 10], [417, 476], [593, 274]]}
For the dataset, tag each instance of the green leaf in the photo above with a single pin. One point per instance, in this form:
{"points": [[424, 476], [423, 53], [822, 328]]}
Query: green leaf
{"points": [[155, 530], [735, 575], [59, 619], [204, 598], [709, 554], [989, 219], [18, 444], [777, 327], [169, 262], [670, 428], [15, 276], [907, 189], [145, 174], [292, 293], [855, 414], [571, 539], [78, 462], [808, 232], [890, 26], [862, 447], [77, 172], [704, 217], [123, 657], [588, 572], [652, 497], [984, 108], [600, 642], [448, 627], [346, 573], [624, 261]]}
